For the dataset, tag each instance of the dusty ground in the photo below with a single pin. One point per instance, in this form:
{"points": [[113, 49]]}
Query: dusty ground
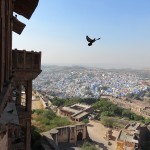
{"points": [[97, 133], [37, 104]]}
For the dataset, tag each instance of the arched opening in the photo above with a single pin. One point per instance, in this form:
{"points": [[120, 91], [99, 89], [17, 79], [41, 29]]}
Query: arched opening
{"points": [[23, 96], [79, 136]]}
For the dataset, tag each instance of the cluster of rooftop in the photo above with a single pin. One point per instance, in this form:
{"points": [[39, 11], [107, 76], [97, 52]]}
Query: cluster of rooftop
{"points": [[87, 82], [129, 137]]}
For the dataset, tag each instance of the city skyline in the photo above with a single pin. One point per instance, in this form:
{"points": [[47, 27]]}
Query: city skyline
{"points": [[59, 28]]}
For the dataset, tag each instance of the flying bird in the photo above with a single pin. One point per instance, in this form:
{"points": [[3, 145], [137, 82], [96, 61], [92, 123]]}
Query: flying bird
{"points": [[91, 41]]}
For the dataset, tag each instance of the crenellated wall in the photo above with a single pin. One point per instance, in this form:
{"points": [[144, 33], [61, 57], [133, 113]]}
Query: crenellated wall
{"points": [[67, 134]]}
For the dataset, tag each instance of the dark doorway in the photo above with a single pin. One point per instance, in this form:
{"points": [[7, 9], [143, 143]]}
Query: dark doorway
{"points": [[79, 136]]}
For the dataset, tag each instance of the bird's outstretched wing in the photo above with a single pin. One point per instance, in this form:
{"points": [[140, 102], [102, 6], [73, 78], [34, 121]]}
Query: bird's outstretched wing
{"points": [[88, 39], [98, 39]]}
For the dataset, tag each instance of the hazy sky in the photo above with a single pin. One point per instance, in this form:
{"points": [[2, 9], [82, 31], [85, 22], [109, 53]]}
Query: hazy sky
{"points": [[58, 28]]}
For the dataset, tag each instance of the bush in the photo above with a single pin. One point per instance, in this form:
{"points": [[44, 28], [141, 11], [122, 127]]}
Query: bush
{"points": [[107, 121], [46, 120], [147, 120], [38, 111], [58, 102], [106, 113], [88, 146], [48, 114], [118, 125], [86, 121]]}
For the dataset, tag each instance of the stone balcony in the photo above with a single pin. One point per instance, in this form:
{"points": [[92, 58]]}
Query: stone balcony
{"points": [[26, 65]]}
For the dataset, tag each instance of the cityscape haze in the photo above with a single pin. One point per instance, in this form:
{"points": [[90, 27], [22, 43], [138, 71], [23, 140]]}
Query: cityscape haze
{"points": [[83, 95], [59, 29]]}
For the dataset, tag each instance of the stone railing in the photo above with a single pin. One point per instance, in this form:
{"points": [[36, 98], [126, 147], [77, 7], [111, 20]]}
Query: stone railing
{"points": [[26, 60]]}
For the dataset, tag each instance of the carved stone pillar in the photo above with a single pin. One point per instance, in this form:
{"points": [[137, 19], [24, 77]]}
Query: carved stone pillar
{"points": [[28, 135], [29, 96], [2, 43], [28, 90], [18, 94]]}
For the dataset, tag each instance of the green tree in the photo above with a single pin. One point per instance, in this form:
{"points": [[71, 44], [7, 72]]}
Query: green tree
{"points": [[107, 121], [86, 121], [126, 113], [115, 110], [147, 120], [58, 102], [106, 113], [88, 101], [138, 118]]}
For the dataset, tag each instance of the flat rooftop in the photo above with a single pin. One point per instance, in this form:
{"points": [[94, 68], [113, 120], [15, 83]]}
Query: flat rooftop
{"points": [[125, 137], [81, 115], [128, 133], [76, 110], [70, 110], [132, 126], [80, 106]]}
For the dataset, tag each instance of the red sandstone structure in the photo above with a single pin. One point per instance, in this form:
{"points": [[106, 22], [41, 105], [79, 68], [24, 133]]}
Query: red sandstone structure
{"points": [[129, 138], [76, 112], [67, 134], [17, 70]]}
